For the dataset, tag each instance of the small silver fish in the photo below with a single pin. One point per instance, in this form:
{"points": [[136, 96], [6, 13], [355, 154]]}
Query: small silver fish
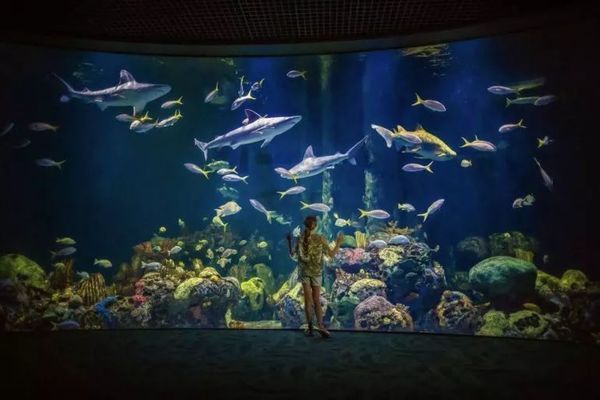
{"points": [[542, 101], [172, 103], [104, 263], [378, 244], [24, 142], [235, 178], [294, 73], [67, 251], [545, 141], [509, 127], [466, 163], [377, 214], [125, 118], [547, 180], [406, 207], [480, 145], [47, 162], [433, 105], [414, 167], [42, 126], [321, 207], [82, 275], [257, 85], [174, 250], [296, 231], [241, 100], [213, 93], [399, 239], [151, 266], [7, 128], [501, 90]]}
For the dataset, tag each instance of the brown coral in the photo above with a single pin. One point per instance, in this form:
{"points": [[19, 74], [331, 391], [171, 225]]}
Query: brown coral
{"points": [[93, 289]]}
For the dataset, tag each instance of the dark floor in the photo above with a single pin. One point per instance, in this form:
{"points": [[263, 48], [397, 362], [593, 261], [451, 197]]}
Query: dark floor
{"points": [[203, 364]]}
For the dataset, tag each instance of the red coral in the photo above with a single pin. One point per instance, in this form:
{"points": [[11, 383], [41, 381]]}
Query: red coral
{"points": [[138, 299]]}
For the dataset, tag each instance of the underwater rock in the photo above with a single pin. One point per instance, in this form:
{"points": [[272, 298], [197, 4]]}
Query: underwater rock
{"points": [[503, 276], [470, 251], [18, 267], [504, 244], [377, 314], [456, 313], [290, 308], [92, 289], [573, 282]]}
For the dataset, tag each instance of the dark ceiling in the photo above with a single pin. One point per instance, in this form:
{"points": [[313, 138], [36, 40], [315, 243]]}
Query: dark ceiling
{"points": [[263, 22]]}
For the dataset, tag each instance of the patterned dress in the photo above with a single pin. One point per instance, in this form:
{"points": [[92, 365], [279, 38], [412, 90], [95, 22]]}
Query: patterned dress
{"points": [[311, 262]]}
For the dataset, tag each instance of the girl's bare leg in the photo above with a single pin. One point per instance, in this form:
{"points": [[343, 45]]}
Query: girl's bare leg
{"points": [[308, 305], [316, 298]]}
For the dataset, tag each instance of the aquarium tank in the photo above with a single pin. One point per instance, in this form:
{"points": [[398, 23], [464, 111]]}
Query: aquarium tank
{"points": [[149, 191]]}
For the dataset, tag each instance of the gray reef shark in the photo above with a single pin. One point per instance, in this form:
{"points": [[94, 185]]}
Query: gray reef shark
{"points": [[257, 129], [128, 92], [312, 165]]}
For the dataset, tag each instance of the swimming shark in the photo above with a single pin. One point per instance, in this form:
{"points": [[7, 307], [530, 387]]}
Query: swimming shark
{"points": [[312, 165], [259, 128], [128, 92]]}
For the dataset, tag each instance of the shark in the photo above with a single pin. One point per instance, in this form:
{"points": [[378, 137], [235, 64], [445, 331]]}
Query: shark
{"points": [[128, 92], [258, 129], [312, 165], [426, 146]]}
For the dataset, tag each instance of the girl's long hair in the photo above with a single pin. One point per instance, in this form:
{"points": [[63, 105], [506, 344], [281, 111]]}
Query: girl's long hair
{"points": [[307, 223]]}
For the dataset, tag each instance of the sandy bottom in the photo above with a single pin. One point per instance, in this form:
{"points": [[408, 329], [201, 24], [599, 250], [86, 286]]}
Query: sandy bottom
{"points": [[210, 364]]}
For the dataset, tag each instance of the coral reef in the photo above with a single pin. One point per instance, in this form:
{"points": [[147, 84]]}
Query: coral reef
{"points": [[377, 314]]}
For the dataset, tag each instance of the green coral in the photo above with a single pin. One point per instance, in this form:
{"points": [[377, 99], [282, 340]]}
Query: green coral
{"points": [[281, 292], [495, 323], [391, 255], [546, 285], [184, 289], [573, 281], [266, 274], [254, 290], [528, 324], [18, 267], [367, 285]]}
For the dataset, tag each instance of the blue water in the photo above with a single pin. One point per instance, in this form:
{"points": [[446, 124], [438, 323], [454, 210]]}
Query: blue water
{"points": [[118, 187]]}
